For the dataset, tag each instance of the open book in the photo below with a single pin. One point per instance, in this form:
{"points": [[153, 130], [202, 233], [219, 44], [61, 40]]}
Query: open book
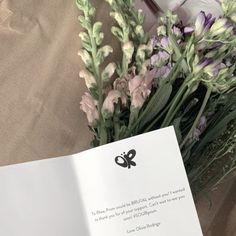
{"points": [[136, 186]]}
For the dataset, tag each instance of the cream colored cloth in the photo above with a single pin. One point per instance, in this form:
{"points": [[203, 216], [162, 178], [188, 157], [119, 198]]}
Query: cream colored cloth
{"points": [[40, 89]]}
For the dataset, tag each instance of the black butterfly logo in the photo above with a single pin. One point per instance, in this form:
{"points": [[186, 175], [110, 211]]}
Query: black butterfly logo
{"points": [[125, 160]]}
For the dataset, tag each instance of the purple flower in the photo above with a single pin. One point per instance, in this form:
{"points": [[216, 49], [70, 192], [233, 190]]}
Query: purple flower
{"points": [[164, 71], [164, 42], [203, 63], [199, 23], [160, 58], [153, 41], [177, 31], [213, 68], [188, 30], [216, 45], [200, 129], [219, 26], [203, 23]]}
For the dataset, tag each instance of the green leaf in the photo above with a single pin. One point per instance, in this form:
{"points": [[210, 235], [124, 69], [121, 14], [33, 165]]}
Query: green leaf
{"points": [[122, 132], [156, 104], [176, 124]]}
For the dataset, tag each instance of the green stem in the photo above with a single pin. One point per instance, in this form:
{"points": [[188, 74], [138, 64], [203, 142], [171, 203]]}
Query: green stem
{"points": [[157, 119], [172, 115], [207, 96], [174, 104], [177, 49], [102, 129], [116, 121]]}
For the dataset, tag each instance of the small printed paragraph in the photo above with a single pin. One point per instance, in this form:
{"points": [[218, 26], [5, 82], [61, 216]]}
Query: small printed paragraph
{"points": [[140, 207]]}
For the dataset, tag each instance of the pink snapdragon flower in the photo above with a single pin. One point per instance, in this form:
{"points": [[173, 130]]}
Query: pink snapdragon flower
{"points": [[122, 85], [140, 88], [89, 106], [109, 103]]}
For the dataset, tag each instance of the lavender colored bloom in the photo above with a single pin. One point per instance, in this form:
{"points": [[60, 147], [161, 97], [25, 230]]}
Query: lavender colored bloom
{"points": [[177, 31], [203, 63], [199, 23], [209, 16], [159, 58], [163, 72], [188, 30], [202, 123], [216, 45], [203, 23], [200, 129], [196, 134], [219, 27], [164, 42], [209, 23], [213, 68], [153, 41]]}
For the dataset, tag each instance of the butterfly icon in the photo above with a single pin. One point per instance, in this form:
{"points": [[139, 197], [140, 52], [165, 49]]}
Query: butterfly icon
{"points": [[125, 160]]}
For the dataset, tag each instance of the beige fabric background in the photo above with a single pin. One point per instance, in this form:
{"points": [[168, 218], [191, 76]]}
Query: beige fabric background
{"points": [[40, 91]]}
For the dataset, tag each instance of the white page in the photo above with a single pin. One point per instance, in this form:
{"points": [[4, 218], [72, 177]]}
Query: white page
{"points": [[159, 180], [57, 196], [41, 198]]}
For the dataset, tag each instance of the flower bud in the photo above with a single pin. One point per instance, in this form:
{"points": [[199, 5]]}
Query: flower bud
{"points": [[141, 53], [110, 1], [84, 36], [218, 27], [165, 43], [108, 72], [139, 31], [109, 103], [160, 58], [89, 78], [97, 28], [85, 56], [88, 105], [128, 50], [233, 17], [199, 24], [119, 18], [161, 30], [103, 52]]}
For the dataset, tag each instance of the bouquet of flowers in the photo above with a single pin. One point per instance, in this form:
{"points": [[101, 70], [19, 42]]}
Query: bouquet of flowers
{"points": [[184, 76]]}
